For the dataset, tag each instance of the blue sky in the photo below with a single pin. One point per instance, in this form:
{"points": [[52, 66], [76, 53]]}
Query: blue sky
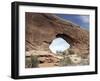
{"points": [[58, 44], [81, 20]]}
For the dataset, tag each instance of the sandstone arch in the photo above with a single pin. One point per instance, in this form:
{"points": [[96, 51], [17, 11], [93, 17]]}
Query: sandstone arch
{"points": [[42, 28]]}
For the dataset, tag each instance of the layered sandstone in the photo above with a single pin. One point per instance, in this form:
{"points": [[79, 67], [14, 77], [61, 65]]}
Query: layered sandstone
{"points": [[42, 28]]}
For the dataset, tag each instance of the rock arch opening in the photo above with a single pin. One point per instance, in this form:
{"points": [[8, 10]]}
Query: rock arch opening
{"points": [[66, 37], [60, 43]]}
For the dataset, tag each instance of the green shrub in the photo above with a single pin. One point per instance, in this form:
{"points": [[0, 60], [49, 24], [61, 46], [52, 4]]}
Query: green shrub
{"points": [[28, 63], [71, 51], [65, 52], [34, 60], [65, 61]]}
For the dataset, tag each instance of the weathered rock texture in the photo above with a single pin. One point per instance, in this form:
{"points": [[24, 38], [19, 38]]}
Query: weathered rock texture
{"points": [[42, 28]]}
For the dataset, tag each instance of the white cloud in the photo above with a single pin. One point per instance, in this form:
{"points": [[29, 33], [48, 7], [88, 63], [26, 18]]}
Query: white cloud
{"points": [[85, 19]]}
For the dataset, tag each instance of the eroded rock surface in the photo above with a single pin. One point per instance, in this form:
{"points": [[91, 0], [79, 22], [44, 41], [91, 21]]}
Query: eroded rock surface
{"points": [[42, 28]]}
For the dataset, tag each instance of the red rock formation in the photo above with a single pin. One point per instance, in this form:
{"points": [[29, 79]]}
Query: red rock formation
{"points": [[42, 28]]}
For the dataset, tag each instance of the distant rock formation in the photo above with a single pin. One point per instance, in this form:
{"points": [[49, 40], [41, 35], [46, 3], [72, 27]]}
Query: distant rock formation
{"points": [[42, 28]]}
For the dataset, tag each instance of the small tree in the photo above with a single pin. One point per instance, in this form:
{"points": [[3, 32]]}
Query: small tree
{"points": [[66, 60], [34, 60], [28, 63]]}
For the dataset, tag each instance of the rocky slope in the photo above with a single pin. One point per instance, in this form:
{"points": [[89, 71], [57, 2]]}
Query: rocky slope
{"points": [[42, 28]]}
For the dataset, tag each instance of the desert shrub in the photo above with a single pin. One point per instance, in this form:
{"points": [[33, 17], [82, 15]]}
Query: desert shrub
{"points": [[65, 61], [28, 63], [74, 51], [66, 52], [71, 51], [85, 60], [59, 52], [34, 60], [62, 53]]}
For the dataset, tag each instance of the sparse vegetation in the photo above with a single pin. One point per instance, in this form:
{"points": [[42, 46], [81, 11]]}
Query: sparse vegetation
{"points": [[68, 57], [32, 61], [65, 62], [28, 63], [72, 57]]}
